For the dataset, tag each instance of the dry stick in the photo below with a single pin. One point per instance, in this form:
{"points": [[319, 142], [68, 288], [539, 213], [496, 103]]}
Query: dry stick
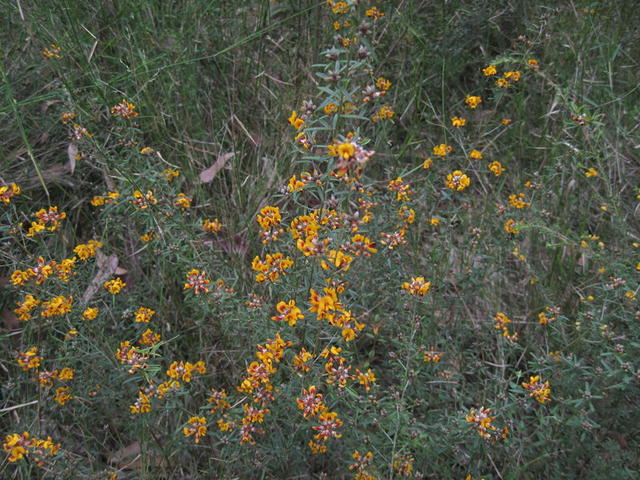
{"points": [[8, 409]]}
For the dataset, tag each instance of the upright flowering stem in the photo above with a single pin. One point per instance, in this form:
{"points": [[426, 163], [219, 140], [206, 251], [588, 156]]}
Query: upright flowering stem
{"points": [[405, 385]]}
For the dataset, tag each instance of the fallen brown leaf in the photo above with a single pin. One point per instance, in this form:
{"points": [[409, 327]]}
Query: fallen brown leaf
{"points": [[117, 457], [72, 151], [209, 174], [130, 458], [107, 267], [9, 319]]}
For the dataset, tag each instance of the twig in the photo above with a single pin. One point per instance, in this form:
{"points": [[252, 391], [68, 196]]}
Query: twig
{"points": [[15, 407]]}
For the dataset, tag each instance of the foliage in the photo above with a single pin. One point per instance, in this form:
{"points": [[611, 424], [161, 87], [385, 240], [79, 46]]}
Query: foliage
{"points": [[319, 240]]}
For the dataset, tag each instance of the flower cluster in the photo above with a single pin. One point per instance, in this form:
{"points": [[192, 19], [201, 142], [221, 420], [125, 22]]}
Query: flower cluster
{"points": [[56, 306], [197, 281], [131, 356], [7, 192], [457, 181], [124, 109], [48, 219], [29, 360], [114, 286], [197, 428], [183, 371], [258, 384], [20, 445], [143, 315], [288, 312], [549, 315], [538, 389], [481, 419], [272, 267], [269, 219], [417, 286], [501, 324]]}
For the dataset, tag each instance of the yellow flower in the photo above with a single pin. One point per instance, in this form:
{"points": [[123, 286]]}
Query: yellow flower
{"points": [[147, 237], [29, 359], [64, 269], [25, 307], [288, 312], [490, 70], [330, 108], [403, 465], [170, 174], [7, 192], [124, 109], [198, 281], [496, 167], [20, 277], [100, 200], [432, 356], [408, 215], [366, 379], [86, 251], [15, 446], [66, 374], [269, 217], [149, 337], [62, 395], [517, 201], [143, 200], [79, 131], [458, 122], [374, 12], [383, 113], [427, 163], [296, 121], [114, 286], [537, 389], [66, 117], [211, 226], [442, 150], [218, 400], [339, 7], [403, 190], [482, 420], [473, 101], [71, 334], [182, 201], [295, 184], [301, 360], [53, 52], [57, 306], [35, 228], [457, 181], [417, 286], [338, 259], [513, 76], [184, 370], [475, 154], [592, 172], [49, 217], [271, 267], [143, 315], [346, 150]]}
